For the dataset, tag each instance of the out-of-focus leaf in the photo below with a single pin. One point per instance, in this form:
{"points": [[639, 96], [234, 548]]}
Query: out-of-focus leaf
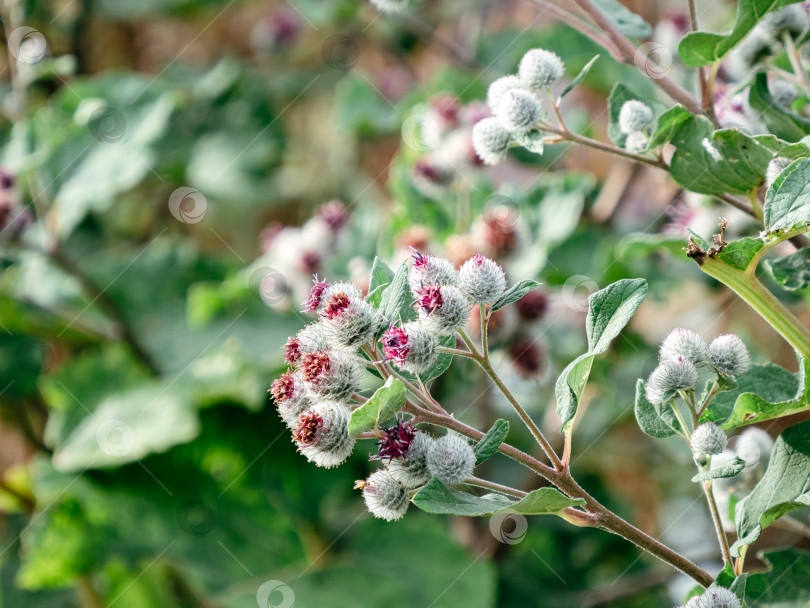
{"points": [[786, 583], [629, 24], [781, 121], [791, 271], [787, 201]]}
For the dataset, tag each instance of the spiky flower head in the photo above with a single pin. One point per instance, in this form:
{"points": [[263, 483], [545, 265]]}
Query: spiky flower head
{"points": [[330, 374], [443, 308], [349, 321], [290, 397], [311, 338], [708, 439], [384, 496], [754, 446], [395, 441], [430, 270], [684, 343], [412, 346], [791, 20], [292, 351], [540, 68], [729, 355], [775, 167], [389, 6], [519, 111], [718, 597], [322, 434], [636, 141], [500, 87], [313, 300], [411, 470], [450, 459], [482, 280], [490, 140], [671, 375], [634, 116], [783, 92]]}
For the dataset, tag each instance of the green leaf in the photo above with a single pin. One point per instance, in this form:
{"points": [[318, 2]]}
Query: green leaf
{"points": [[514, 293], [629, 24], [786, 584], [384, 403], [437, 498], [620, 94], [726, 576], [729, 469], [381, 277], [719, 162], [766, 391], [642, 244], [395, 303], [488, 445], [702, 48], [791, 271], [787, 201], [784, 487], [668, 124], [127, 426], [579, 77], [530, 140], [609, 311], [781, 121], [655, 419], [740, 253]]}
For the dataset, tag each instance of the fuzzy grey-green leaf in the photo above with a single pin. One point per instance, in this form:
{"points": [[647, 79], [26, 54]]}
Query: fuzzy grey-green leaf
{"points": [[384, 403], [488, 445]]}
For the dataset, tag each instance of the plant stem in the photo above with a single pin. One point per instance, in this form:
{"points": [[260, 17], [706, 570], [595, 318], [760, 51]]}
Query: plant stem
{"points": [[718, 523], [491, 485], [708, 399], [796, 61], [456, 352], [748, 287], [484, 331], [581, 26], [681, 420], [604, 147], [701, 72]]}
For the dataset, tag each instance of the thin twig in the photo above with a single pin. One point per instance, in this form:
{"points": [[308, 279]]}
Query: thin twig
{"points": [[491, 485]]}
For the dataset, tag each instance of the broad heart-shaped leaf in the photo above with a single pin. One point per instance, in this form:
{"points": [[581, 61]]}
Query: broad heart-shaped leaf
{"points": [[435, 497], [791, 271], [629, 24], [719, 162], [787, 201], [702, 48], [668, 124], [384, 403], [766, 391], [609, 311], [730, 469], [655, 419], [127, 426], [786, 584], [579, 77], [784, 487], [620, 94], [514, 293], [781, 121], [381, 277], [488, 445], [395, 303]]}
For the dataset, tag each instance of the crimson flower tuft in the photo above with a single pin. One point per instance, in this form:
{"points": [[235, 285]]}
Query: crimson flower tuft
{"points": [[395, 441]]}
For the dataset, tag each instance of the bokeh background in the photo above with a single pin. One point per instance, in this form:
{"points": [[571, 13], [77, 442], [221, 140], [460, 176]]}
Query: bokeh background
{"points": [[173, 173]]}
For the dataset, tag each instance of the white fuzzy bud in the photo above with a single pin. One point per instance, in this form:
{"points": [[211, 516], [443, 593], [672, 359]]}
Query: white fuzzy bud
{"points": [[729, 355], [718, 597], [634, 116], [444, 308], [490, 140], [389, 6], [694, 602], [636, 142], [385, 497], [754, 446], [482, 280], [540, 68], [783, 92], [412, 471], [312, 338], [775, 167], [686, 344], [791, 20], [349, 321], [708, 439], [500, 87], [671, 375], [755, 48], [330, 374], [519, 111], [322, 434], [430, 270], [450, 459], [413, 347]]}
